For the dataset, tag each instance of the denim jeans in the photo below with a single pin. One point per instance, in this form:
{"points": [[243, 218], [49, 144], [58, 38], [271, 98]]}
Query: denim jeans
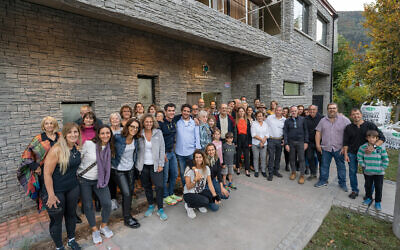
{"points": [[182, 165], [353, 166], [326, 162], [217, 188], [170, 174]]}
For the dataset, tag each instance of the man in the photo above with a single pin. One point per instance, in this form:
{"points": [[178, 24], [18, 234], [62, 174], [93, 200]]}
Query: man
{"points": [[295, 136], [243, 99], [355, 135], [300, 108], [261, 107], [83, 110], [168, 128], [275, 125], [256, 103], [187, 139], [224, 122], [195, 111], [201, 104], [238, 103], [312, 121], [329, 142], [213, 109]]}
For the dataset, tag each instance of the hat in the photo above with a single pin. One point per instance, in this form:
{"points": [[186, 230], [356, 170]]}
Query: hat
{"points": [[262, 105]]}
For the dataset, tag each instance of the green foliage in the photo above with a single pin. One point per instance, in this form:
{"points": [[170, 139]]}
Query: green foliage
{"points": [[350, 26]]}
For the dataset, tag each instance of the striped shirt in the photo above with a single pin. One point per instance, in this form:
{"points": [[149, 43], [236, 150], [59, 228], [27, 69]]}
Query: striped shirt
{"points": [[374, 163]]}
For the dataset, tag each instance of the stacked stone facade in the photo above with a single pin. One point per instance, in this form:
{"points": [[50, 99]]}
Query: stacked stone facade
{"points": [[55, 51]]}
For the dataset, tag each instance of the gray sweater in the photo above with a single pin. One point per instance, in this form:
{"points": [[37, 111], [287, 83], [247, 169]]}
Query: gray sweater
{"points": [[158, 150]]}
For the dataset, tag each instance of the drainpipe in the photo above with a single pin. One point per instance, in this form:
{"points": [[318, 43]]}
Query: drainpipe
{"points": [[335, 16]]}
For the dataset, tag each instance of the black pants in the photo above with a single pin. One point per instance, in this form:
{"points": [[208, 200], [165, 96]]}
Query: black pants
{"points": [[202, 199], [287, 157], [243, 147], [376, 180], [125, 181], [68, 202], [274, 148], [87, 187], [297, 147], [112, 186], [149, 177], [310, 152]]}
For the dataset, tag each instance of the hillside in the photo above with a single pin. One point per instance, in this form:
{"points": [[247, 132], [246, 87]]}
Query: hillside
{"points": [[350, 25]]}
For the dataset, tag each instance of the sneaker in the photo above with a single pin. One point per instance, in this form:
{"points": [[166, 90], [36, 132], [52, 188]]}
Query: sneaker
{"points": [[176, 197], [149, 211], [60, 248], [114, 204], [162, 214], [353, 195], [190, 212], [320, 184], [367, 202], [169, 200], [106, 232], [344, 188], [231, 185], [256, 174], [378, 206], [74, 245], [203, 210], [96, 237]]}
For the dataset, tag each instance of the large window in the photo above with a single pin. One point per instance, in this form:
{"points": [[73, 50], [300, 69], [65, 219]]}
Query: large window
{"points": [[321, 30], [291, 88], [301, 15]]}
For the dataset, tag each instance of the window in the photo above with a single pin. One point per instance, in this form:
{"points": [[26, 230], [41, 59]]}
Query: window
{"points": [[321, 30], [291, 88], [71, 110], [301, 15]]}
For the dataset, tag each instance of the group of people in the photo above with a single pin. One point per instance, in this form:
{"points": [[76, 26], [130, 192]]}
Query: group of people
{"points": [[88, 160]]}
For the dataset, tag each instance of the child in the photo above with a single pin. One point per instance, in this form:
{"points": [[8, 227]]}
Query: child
{"points": [[218, 143], [212, 123], [229, 152], [374, 165]]}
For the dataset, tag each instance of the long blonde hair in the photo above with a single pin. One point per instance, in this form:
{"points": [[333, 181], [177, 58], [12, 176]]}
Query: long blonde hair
{"points": [[64, 152]]}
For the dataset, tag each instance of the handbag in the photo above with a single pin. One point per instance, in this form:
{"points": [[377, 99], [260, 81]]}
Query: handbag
{"points": [[87, 169]]}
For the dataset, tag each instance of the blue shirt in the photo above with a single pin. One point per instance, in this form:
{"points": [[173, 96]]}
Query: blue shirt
{"points": [[187, 137]]}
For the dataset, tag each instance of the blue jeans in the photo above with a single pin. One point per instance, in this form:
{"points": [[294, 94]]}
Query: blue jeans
{"points": [[353, 166], [217, 187], [326, 162], [170, 173], [182, 165]]}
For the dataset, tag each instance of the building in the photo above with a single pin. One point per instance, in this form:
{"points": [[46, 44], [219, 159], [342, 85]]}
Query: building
{"points": [[57, 55]]}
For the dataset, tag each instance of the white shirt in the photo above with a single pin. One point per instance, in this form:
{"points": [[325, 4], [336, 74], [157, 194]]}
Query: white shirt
{"points": [[148, 153], [275, 126], [88, 153], [126, 162], [224, 126], [260, 131]]}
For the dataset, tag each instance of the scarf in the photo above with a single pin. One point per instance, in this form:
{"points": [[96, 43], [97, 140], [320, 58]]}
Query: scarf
{"points": [[103, 158]]}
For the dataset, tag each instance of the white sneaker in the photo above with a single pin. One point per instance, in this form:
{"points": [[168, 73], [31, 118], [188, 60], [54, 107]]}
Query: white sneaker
{"points": [[106, 232], [190, 212], [96, 237], [203, 210], [114, 204]]}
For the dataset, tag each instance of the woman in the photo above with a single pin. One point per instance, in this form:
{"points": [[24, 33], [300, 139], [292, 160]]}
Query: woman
{"points": [[272, 108], [151, 164], [93, 176], [30, 172], [195, 193], [115, 122], [88, 129], [61, 185], [204, 130], [122, 171], [138, 110], [126, 113], [215, 168], [242, 134], [160, 116], [212, 123], [259, 132], [152, 109], [250, 114]]}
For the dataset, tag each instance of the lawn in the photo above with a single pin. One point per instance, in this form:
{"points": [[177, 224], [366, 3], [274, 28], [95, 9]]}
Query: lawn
{"points": [[391, 171], [345, 229]]}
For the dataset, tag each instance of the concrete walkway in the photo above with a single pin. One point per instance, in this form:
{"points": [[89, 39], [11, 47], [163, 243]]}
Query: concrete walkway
{"points": [[259, 215]]}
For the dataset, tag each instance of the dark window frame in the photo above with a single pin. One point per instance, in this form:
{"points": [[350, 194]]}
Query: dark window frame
{"points": [[305, 15], [292, 82], [324, 22]]}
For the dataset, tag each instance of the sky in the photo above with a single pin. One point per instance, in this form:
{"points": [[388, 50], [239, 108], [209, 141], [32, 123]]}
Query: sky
{"points": [[348, 5]]}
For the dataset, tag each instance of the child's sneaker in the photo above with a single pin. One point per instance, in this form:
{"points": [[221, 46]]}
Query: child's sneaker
{"points": [[96, 237], [367, 202], [232, 186], [149, 211], [378, 206], [190, 212], [177, 198], [203, 210], [106, 232], [162, 214], [170, 201]]}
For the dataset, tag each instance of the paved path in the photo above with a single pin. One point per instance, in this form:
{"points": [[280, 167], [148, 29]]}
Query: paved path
{"points": [[259, 215]]}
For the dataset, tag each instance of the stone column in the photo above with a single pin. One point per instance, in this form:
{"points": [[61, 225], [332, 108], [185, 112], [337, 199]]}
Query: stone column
{"points": [[396, 212]]}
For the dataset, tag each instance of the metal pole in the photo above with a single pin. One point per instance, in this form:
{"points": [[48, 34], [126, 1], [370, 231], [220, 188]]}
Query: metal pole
{"points": [[247, 9], [396, 212]]}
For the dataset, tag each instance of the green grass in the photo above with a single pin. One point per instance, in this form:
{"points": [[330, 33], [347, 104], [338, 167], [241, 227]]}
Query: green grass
{"points": [[345, 229], [391, 171]]}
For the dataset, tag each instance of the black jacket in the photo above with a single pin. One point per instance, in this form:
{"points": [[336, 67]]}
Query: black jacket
{"points": [[311, 125], [295, 133]]}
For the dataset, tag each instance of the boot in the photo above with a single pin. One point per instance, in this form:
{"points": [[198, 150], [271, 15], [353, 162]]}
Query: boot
{"points": [[292, 176], [301, 179]]}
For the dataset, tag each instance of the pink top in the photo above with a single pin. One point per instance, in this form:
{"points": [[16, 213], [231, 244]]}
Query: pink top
{"points": [[218, 145], [87, 133]]}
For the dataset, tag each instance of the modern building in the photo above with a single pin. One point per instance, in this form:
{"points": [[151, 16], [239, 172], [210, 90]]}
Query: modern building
{"points": [[57, 55]]}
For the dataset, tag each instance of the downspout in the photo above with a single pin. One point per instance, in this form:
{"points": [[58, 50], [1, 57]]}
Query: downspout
{"points": [[335, 16]]}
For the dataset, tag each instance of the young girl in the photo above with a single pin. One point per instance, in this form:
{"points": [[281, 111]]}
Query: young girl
{"points": [[218, 143], [215, 168], [212, 123]]}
